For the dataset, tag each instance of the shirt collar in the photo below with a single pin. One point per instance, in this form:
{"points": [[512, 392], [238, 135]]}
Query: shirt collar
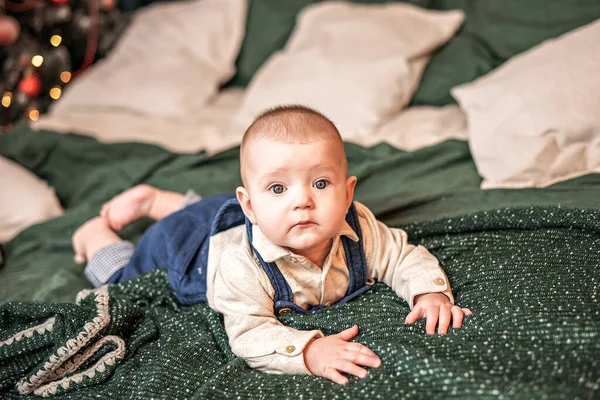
{"points": [[267, 250], [348, 231], [271, 252]]}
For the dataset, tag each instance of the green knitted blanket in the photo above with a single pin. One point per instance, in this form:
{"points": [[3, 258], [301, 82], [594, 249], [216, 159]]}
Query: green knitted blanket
{"points": [[530, 275]]}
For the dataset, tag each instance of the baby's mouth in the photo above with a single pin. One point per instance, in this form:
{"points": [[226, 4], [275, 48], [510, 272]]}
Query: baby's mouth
{"points": [[304, 224]]}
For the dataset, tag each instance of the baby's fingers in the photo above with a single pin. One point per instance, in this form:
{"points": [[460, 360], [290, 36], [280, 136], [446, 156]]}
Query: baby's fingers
{"points": [[348, 334], [457, 316], [413, 316], [433, 313], [361, 355], [360, 348], [350, 368], [366, 360], [333, 375], [444, 321]]}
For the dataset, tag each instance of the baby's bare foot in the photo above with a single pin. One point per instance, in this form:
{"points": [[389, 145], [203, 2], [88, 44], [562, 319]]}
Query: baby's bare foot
{"points": [[91, 237], [129, 206]]}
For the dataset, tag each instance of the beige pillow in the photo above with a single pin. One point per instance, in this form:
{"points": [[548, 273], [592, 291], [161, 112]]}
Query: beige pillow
{"points": [[206, 129], [355, 63], [24, 200], [170, 61], [421, 126], [535, 120]]}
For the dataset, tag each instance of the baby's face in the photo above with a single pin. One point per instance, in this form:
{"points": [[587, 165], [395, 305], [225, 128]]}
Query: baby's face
{"points": [[299, 192]]}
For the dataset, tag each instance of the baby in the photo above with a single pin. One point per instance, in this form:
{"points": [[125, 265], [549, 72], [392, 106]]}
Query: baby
{"points": [[305, 245]]}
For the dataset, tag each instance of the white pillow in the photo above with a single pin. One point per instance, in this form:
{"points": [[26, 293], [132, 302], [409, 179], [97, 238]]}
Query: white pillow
{"points": [[172, 58], [24, 200], [421, 126], [204, 130], [355, 63], [535, 120]]}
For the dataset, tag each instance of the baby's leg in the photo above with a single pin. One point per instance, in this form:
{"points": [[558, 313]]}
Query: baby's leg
{"points": [[91, 237], [138, 202]]}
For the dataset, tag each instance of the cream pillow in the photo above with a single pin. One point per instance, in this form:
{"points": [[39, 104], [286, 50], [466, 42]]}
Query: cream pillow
{"points": [[204, 130], [355, 63], [169, 62], [421, 126], [535, 120], [24, 200]]}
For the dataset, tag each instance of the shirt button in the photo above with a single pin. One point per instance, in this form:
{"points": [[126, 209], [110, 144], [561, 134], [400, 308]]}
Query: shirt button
{"points": [[290, 349], [293, 259], [439, 281]]}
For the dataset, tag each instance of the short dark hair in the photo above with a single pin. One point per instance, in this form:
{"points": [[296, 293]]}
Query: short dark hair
{"points": [[293, 123]]}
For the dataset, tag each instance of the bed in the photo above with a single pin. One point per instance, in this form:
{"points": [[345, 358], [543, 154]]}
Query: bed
{"points": [[520, 246]]}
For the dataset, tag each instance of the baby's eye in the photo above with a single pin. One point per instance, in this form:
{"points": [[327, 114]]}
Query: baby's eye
{"points": [[277, 189], [321, 184]]}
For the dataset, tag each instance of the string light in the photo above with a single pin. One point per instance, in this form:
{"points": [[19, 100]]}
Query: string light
{"points": [[55, 93], [65, 76], [33, 68], [7, 99], [56, 40], [34, 115], [37, 60]]}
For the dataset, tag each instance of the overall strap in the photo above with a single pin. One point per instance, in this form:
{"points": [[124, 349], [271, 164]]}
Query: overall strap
{"points": [[283, 291], [355, 253]]}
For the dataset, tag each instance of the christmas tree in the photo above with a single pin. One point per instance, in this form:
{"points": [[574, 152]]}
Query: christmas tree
{"points": [[45, 44]]}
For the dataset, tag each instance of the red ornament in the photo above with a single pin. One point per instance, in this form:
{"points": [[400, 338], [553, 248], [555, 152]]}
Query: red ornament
{"points": [[60, 2], [31, 86], [108, 4]]}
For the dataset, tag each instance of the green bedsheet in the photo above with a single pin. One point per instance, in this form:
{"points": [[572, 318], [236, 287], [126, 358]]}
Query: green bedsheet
{"points": [[525, 261]]}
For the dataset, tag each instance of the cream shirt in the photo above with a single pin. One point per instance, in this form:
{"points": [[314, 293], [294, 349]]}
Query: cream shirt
{"points": [[238, 287]]}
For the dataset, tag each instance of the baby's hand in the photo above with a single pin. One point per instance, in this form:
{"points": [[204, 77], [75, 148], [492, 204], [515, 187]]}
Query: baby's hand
{"points": [[330, 355], [129, 206], [438, 310]]}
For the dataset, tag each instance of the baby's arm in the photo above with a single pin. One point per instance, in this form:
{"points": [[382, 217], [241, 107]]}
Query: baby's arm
{"points": [[243, 294], [412, 271]]}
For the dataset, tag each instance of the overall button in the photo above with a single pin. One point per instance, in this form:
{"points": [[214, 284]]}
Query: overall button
{"points": [[285, 311], [439, 281], [328, 304], [290, 349], [370, 281], [293, 259]]}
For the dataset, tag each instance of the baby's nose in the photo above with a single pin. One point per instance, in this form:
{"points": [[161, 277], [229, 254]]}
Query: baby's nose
{"points": [[303, 199]]}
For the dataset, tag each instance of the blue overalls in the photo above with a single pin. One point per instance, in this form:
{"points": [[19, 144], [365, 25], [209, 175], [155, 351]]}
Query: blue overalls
{"points": [[180, 241]]}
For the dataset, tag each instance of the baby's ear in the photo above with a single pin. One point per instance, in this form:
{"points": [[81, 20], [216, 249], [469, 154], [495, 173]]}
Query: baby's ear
{"points": [[350, 185], [244, 199]]}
